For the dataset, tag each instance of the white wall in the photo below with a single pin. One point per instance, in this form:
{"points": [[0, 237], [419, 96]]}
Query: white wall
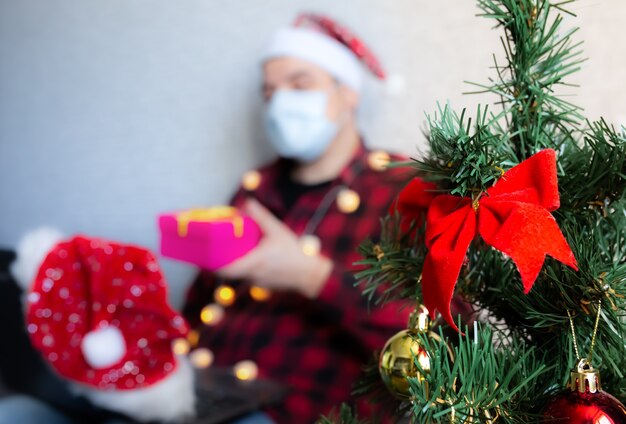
{"points": [[113, 111]]}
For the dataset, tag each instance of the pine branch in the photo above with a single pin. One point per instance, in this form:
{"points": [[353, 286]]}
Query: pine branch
{"points": [[486, 380], [392, 267], [594, 173], [538, 58], [344, 416], [466, 156]]}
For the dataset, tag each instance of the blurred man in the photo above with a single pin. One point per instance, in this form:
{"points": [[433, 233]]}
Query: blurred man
{"points": [[290, 305]]}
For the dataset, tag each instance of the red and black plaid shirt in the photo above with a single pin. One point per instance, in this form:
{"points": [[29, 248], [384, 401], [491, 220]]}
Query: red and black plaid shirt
{"points": [[314, 347]]}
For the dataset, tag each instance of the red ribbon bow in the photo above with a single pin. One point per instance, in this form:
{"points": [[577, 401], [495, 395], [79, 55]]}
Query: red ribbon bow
{"points": [[512, 216], [413, 202]]}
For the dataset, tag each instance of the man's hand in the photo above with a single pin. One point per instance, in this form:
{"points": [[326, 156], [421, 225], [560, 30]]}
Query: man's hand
{"points": [[278, 262]]}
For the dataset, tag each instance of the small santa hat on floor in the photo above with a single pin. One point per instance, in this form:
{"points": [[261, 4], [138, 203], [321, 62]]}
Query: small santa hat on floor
{"points": [[98, 313], [333, 47]]}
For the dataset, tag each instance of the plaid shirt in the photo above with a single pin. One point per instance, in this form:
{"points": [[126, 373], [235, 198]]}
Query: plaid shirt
{"points": [[314, 347]]}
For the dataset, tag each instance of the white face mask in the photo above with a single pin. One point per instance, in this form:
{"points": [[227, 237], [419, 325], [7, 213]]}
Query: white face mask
{"points": [[297, 125]]}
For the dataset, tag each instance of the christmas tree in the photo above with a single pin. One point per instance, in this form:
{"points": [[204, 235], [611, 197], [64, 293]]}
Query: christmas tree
{"points": [[520, 210]]}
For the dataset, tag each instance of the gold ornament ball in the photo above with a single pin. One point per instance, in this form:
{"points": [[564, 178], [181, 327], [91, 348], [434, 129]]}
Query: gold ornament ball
{"points": [[396, 362]]}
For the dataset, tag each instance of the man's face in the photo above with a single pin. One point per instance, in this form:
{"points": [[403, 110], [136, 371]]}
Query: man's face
{"points": [[288, 73]]}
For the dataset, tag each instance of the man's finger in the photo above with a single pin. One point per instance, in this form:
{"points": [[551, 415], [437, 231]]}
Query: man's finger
{"points": [[241, 267], [263, 217]]}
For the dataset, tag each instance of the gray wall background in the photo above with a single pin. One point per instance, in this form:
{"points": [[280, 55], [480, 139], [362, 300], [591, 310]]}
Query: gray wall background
{"points": [[113, 111]]}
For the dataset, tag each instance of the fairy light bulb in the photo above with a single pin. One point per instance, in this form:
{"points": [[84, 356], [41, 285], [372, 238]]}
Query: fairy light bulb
{"points": [[259, 294], [193, 338], [378, 160], [348, 200], [251, 180], [212, 314], [180, 346], [310, 244], [201, 358], [246, 370], [225, 295]]}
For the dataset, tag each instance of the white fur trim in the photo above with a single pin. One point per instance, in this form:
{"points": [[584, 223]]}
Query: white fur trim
{"points": [[315, 47], [171, 399], [31, 250], [103, 347]]}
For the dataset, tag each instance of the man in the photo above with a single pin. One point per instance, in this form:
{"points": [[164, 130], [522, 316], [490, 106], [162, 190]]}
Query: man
{"points": [[290, 305]]}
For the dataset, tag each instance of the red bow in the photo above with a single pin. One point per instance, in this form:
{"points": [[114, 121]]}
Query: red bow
{"points": [[513, 216], [413, 202]]}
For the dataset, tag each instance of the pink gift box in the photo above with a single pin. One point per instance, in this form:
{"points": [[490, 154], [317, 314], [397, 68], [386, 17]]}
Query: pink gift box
{"points": [[209, 238]]}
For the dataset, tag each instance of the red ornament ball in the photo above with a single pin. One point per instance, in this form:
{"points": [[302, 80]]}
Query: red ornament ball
{"points": [[573, 407], [584, 402]]}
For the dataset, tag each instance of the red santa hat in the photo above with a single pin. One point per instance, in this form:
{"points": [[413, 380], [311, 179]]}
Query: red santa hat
{"points": [[98, 313], [331, 46]]}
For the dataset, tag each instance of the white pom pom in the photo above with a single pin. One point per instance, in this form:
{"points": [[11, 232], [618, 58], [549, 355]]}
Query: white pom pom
{"points": [[103, 347], [31, 250], [395, 85]]}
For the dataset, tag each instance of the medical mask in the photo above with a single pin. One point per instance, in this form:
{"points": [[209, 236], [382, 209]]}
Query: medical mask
{"points": [[297, 125]]}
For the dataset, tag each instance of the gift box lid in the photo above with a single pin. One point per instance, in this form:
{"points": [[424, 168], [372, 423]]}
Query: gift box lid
{"points": [[197, 222]]}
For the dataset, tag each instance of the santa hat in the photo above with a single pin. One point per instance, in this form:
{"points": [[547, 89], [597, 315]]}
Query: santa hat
{"points": [[98, 313], [331, 46]]}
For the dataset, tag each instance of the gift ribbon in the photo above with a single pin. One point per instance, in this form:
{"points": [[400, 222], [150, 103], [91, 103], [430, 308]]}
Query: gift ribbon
{"points": [[220, 213], [512, 216]]}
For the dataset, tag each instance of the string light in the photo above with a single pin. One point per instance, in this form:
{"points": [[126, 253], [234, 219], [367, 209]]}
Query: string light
{"points": [[201, 358], [348, 200], [193, 338], [378, 160], [251, 180], [246, 370], [180, 346], [225, 295], [259, 293], [211, 314], [310, 244]]}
